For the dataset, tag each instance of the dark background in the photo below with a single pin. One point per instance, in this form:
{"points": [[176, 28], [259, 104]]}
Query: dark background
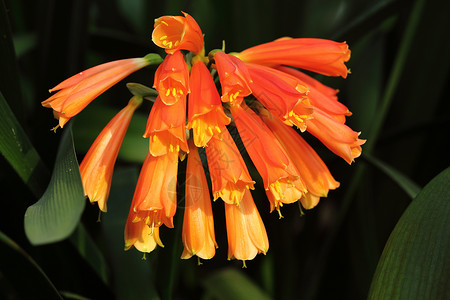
{"points": [[397, 91]]}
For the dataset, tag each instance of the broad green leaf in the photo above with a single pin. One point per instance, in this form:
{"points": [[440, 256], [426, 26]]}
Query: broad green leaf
{"points": [[18, 151], [415, 262], [232, 284], [15, 263], [55, 216], [410, 187]]}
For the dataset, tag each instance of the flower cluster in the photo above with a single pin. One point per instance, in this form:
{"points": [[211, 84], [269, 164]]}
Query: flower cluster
{"points": [[263, 94]]}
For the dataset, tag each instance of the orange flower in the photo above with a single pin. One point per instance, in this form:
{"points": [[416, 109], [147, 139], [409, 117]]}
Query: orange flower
{"points": [[338, 137], [234, 77], [166, 127], [178, 33], [281, 178], [141, 235], [76, 92], [172, 78], [281, 94], [313, 171], [317, 55], [229, 175], [198, 223], [96, 169], [245, 230], [155, 197], [206, 115], [320, 95]]}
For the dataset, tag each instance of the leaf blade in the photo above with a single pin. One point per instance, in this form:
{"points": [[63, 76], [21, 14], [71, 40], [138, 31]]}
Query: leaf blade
{"points": [[414, 263], [56, 214]]}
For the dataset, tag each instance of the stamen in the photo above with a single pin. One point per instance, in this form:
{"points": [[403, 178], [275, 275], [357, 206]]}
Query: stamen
{"points": [[163, 37], [165, 23]]}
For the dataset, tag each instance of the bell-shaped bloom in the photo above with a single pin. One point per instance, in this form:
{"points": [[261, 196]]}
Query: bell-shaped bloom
{"points": [[246, 233], [172, 78], [281, 178], [313, 171], [140, 235], [206, 115], [320, 95], [96, 169], [318, 55], [166, 127], [234, 77], [229, 174], [281, 94], [338, 137], [155, 197], [198, 223], [178, 33], [76, 92]]}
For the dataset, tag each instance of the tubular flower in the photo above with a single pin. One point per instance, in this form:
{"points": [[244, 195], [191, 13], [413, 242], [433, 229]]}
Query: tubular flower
{"points": [[140, 235], [318, 55], [198, 224], [281, 178], [245, 230], [172, 78], [229, 175], [178, 33], [166, 127], [76, 92], [234, 77], [320, 95], [259, 92], [286, 101], [96, 169], [155, 197], [206, 115], [338, 137], [312, 169]]}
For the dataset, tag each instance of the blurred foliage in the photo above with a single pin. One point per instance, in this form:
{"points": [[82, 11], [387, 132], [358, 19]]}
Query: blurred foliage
{"points": [[400, 71]]}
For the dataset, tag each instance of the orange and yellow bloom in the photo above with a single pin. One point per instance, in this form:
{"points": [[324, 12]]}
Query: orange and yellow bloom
{"points": [[75, 93], [96, 169], [199, 100]]}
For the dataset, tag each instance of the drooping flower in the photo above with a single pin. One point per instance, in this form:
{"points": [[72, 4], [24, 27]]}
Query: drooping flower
{"points": [[338, 137], [198, 223], [229, 174], [320, 95], [281, 179], [206, 115], [172, 78], [140, 235], [96, 169], [234, 77], [286, 100], [155, 197], [245, 230], [76, 92], [313, 171], [318, 55], [178, 33], [166, 127]]}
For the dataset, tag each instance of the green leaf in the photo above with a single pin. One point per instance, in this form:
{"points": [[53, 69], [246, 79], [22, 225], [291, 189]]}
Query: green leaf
{"points": [[410, 187], [18, 151], [232, 284], [55, 216], [415, 262], [15, 263]]}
